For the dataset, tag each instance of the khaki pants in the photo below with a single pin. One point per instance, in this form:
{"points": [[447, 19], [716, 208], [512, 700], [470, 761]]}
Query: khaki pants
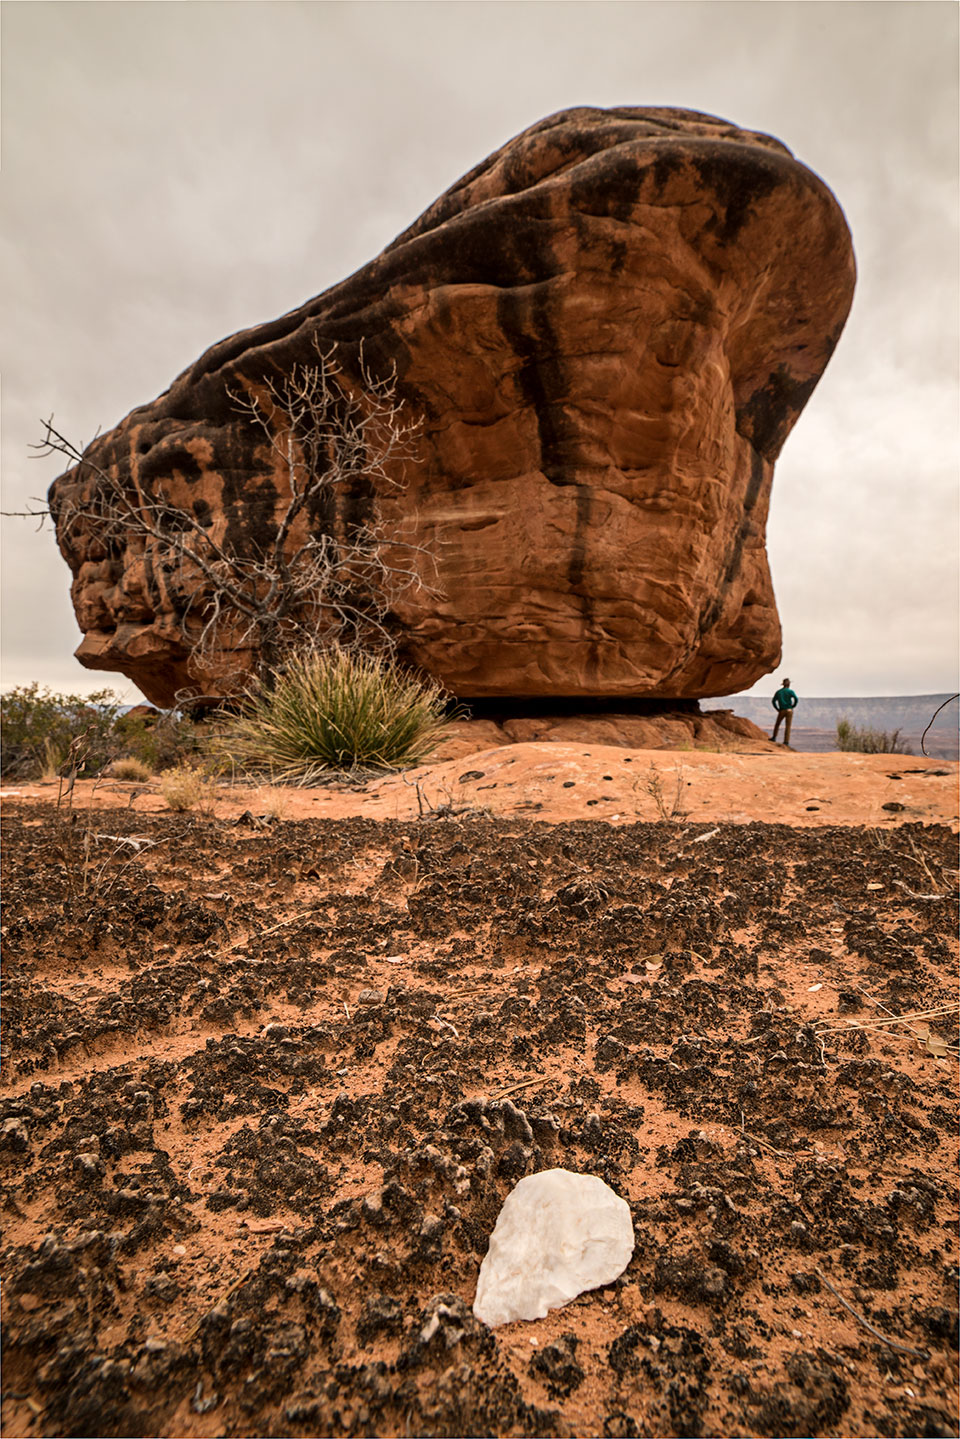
{"points": [[787, 717]]}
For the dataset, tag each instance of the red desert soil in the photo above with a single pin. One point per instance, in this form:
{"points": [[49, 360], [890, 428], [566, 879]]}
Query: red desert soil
{"points": [[563, 782], [267, 1084]]}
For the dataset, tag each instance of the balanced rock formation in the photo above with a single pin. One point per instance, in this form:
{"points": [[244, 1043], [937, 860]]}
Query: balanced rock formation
{"points": [[606, 330]]}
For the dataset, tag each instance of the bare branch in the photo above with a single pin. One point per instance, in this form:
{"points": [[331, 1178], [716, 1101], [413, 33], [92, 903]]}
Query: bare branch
{"points": [[933, 717], [324, 435]]}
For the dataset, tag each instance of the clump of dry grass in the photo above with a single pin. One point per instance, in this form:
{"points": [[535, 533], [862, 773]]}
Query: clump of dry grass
{"points": [[187, 787], [130, 769], [270, 803], [54, 758]]}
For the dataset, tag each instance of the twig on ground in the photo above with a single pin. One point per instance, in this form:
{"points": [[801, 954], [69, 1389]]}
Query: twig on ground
{"points": [[890, 1343], [272, 929], [923, 863], [191, 1334], [416, 786], [284, 923], [763, 1143], [104, 889], [907, 1019], [891, 1034], [911, 894], [447, 810], [502, 1094], [200, 1187], [871, 1000]]}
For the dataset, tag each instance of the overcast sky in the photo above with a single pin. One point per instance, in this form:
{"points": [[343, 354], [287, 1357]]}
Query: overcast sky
{"points": [[174, 172]]}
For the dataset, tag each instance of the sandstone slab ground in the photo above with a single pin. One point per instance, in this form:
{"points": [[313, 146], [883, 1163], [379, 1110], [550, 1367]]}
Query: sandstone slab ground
{"points": [[586, 777], [266, 1088]]}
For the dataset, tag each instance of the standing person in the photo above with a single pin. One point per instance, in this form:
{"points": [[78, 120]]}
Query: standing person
{"points": [[784, 702]]}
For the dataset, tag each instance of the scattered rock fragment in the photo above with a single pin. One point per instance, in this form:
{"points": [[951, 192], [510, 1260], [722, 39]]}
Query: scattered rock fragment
{"points": [[557, 1235]]}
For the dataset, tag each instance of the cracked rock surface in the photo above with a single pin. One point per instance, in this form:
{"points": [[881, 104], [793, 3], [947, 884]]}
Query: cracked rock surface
{"points": [[265, 1092]]}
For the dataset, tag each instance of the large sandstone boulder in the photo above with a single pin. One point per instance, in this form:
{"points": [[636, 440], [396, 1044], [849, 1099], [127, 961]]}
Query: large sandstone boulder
{"points": [[607, 329]]}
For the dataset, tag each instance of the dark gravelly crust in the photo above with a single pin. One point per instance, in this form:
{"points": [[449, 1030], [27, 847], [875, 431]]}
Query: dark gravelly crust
{"points": [[257, 1131]]}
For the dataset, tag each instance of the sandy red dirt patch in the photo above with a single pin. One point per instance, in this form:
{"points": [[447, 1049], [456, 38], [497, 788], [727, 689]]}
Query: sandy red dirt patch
{"points": [[562, 782]]}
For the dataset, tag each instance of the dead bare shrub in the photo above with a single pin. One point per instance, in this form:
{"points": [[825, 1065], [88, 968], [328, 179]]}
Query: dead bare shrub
{"points": [[669, 807]]}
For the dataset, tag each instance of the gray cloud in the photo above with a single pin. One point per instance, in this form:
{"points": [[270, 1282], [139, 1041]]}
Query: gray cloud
{"points": [[172, 173]]}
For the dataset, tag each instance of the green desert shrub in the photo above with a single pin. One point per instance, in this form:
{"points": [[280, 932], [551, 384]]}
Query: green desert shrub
{"points": [[38, 726], [334, 709], [865, 740]]}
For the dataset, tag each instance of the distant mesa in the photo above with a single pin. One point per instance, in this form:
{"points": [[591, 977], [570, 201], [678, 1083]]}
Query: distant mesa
{"points": [[607, 328]]}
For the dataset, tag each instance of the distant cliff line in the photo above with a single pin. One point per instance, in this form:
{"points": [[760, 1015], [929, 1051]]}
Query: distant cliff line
{"points": [[816, 718]]}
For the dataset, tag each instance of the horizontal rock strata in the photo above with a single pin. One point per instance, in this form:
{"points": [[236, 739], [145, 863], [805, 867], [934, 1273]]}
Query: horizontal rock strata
{"points": [[606, 330], [671, 729]]}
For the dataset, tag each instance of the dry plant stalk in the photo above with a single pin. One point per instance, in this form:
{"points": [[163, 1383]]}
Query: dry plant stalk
{"points": [[448, 808], [271, 803], [87, 872], [915, 1014], [669, 809], [513, 1088], [872, 1329], [54, 758]]}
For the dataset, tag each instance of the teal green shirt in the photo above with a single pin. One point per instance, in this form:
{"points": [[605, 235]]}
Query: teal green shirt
{"points": [[784, 699]]}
